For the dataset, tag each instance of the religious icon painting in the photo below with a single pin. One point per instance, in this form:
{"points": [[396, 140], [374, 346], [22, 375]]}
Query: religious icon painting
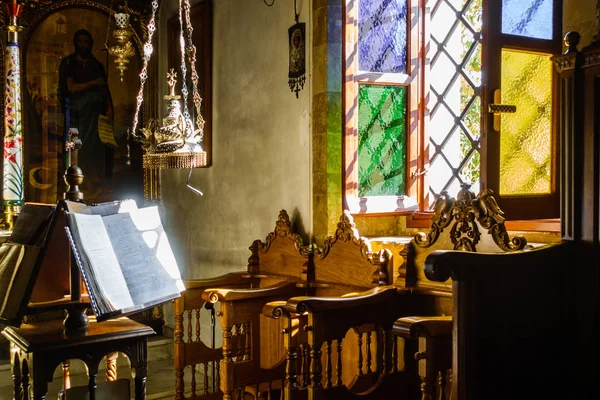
{"points": [[297, 75]]}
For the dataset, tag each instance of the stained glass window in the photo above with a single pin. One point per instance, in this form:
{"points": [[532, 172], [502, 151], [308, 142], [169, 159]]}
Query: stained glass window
{"points": [[381, 140], [530, 18], [526, 136], [382, 36]]}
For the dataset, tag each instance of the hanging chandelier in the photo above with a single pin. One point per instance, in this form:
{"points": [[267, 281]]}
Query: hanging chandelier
{"points": [[122, 50], [175, 142]]}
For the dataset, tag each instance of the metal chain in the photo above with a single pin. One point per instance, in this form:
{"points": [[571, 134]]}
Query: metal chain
{"points": [[184, 89], [144, 73], [110, 11], [191, 54]]}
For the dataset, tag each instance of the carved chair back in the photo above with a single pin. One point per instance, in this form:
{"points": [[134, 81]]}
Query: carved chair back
{"points": [[281, 257], [346, 263], [468, 223]]}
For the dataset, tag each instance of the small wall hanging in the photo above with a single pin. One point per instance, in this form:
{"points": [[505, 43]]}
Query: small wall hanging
{"points": [[297, 43]]}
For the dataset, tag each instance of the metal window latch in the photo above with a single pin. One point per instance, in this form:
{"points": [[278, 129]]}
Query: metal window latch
{"points": [[496, 108], [418, 173]]}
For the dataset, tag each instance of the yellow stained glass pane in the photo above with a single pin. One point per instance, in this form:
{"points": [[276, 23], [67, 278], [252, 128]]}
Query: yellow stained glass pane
{"points": [[526, 136]]}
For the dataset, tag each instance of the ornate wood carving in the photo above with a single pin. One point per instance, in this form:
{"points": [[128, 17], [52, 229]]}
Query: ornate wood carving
{"points": [[346, 232], [568, 60], [380, 276], [283, 229], [111, 366], [463, 216]]}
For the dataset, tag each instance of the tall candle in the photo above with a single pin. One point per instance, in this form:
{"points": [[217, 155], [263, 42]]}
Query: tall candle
{"points": [[12, 192]]}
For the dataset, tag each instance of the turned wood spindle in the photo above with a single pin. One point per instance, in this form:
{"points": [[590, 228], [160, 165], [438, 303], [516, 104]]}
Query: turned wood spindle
{"points": [[360, 354], [328, 369], [338, 367], [315, 366], [369, 360], [193, 382]]}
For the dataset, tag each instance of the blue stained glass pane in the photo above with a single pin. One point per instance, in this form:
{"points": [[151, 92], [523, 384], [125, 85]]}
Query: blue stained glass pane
{"points": [[530, 18], [382, 34]]}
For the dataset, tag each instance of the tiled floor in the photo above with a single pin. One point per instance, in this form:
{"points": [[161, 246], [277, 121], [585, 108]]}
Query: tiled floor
{"points": [[160, 383]]}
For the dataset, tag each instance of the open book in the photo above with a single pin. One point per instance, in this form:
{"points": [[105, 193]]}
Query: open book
{"points": [[124, 257]]}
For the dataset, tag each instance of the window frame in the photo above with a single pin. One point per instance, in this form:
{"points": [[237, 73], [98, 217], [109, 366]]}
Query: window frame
{"points": [[418, 196], [519, 207], [352, 78]]}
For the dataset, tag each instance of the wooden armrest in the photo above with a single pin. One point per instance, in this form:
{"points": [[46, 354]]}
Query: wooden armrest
{"points": [[379, 296], [234, 278], [279, 289], [459, 265], [275, 309], [415, 327]]}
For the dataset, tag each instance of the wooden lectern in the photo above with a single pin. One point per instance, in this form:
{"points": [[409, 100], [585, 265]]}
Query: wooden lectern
{"points": [[37, 346]]}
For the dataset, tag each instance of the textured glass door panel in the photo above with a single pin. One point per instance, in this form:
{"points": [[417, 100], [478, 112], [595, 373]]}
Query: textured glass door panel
{"points": [[455, 101], [381, 140], [530, 18], [526, 136], [382, 34]]}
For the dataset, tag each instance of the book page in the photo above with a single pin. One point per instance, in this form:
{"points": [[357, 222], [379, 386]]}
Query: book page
{"points": [[96, 246], [145, 256], [102, 209]]}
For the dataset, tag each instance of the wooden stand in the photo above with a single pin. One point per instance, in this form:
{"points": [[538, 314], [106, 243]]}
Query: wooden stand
{"points": [[37, 349], [76, 310]]}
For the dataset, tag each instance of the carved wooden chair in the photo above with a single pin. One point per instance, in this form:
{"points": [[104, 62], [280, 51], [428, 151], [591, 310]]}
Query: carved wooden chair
{"points": [[513, 321], [322, 349], [255, 363], [276, 264], [466, 223]]}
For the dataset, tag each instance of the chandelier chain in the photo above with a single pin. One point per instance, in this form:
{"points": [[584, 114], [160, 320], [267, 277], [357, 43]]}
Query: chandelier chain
{"points": [[110, 11], [144, 73], [184, 89], [191, 54]]}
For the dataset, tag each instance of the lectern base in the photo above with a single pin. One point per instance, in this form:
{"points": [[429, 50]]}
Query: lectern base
{"points": [[77, 319]]}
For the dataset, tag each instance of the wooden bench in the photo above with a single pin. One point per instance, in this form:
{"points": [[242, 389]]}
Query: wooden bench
{"points": [[466, 223], [279, 259], [253, 343]]}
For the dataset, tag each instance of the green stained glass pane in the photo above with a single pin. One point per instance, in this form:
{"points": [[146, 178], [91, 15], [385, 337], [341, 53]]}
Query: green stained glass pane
{"points": [[526, 136], [381, 140]]}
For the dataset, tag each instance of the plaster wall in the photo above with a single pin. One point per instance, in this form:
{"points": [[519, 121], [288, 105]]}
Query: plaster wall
{"points": [[261, 141]]}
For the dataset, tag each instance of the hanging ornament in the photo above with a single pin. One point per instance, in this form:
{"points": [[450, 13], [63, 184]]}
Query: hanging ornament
{"points": [[122, 51], [297, 43], [174, 143]]}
